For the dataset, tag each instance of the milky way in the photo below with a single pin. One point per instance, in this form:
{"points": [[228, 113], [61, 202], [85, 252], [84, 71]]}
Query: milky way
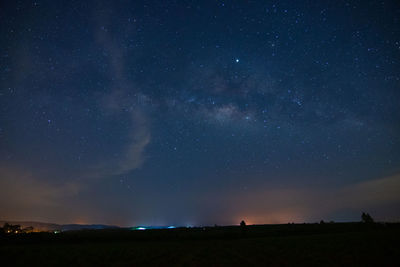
{"points": [[199, 112]]}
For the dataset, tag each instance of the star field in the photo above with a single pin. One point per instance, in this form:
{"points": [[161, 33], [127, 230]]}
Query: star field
{"points": [[199, 112]]}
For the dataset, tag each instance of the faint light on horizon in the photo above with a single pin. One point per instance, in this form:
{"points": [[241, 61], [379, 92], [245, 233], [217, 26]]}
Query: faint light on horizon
{"points": [[171, 227]]}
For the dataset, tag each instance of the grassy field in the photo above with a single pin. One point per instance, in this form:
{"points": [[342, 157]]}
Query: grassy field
{"points": [[277, 245]]}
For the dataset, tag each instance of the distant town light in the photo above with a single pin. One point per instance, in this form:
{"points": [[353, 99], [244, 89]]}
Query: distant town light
{"points": [[171, 227], [140, 228]]}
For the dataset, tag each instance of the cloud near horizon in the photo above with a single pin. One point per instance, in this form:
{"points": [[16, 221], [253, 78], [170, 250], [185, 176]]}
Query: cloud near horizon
{"points": [[25, 197], [266, 204]]}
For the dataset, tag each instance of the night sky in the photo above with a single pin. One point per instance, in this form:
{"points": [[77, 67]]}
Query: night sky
{"points": [[199, 112]]}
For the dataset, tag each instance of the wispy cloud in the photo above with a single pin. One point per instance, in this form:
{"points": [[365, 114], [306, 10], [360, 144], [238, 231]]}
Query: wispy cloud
{"points": [[124, 97], [373, 193], [139, 138]]}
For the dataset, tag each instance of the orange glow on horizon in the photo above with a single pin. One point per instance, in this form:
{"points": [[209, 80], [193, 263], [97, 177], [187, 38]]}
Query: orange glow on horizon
{"points": [[272, 218]]}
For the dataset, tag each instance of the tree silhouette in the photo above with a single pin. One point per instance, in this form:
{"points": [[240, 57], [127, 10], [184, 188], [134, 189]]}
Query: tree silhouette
{"points": [[366, 218], [243, 226]]}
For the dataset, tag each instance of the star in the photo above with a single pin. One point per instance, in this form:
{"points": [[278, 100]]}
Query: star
{"points": [[237, 60]]}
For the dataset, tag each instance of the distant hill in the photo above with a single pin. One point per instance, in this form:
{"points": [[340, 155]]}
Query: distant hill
{"points": [[41, 226]]}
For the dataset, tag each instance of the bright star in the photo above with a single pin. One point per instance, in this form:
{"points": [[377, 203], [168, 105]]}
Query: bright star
{"points": [[237, 60]]}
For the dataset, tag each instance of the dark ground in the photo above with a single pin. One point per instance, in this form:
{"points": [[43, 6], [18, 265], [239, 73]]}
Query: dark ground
{"points": [[339, 244]]}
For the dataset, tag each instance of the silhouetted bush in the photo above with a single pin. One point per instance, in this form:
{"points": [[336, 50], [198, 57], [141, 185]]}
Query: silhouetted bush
{"points": [[366, 218], [28, 229]]}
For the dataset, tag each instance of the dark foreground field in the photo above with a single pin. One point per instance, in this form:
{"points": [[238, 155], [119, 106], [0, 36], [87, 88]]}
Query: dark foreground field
{"points": [[294, 245]]}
